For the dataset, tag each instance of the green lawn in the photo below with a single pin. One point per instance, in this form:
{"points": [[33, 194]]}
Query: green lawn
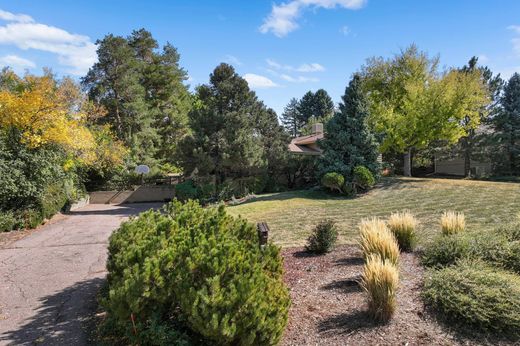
{"points": [[291, 215]]}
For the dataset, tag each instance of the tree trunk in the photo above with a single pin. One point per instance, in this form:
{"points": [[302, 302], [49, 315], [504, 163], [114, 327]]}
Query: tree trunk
{"points": [[407, 169], [467, 158]]}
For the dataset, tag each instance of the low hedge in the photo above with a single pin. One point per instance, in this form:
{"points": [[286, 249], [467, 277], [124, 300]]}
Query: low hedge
{"points": [[196, 271], [476, 295], [500, 247]]}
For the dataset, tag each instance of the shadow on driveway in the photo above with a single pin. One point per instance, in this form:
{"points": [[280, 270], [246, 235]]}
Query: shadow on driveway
{"points": [[63, 318], [119, 210]]}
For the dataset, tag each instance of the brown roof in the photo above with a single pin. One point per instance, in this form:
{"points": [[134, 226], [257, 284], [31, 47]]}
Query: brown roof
{"points": [[304, 144]]}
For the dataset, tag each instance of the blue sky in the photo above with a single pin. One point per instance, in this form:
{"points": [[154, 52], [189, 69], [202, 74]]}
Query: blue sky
{"points": [[283, 48]]}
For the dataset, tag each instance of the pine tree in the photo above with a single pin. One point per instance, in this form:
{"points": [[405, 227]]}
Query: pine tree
{"points": [[223, 126], [142, 90], [323, 105], [507, 125], [291, 118], [348, 141]]}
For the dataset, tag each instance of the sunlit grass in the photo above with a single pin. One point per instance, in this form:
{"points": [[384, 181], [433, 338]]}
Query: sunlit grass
{"points": [[292, 215]]}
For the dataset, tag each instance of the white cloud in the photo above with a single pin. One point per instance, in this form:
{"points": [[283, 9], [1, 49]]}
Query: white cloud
{"points": [[516, 40], [233, 60], [483, 59], [515, 28], [259, 82], [283, 18], [76, 52], [313, 67], [16, 62], [299, 79], [11, 17], [345, 30]]}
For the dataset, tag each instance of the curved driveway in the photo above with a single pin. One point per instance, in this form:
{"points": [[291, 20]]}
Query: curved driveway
{"points": [[49, 279]]}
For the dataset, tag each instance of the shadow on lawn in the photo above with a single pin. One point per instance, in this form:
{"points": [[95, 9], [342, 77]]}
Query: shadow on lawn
{"points": [[64, 318]]}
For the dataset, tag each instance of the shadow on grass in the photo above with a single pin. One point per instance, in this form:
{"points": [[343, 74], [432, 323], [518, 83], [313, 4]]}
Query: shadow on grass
{"points": [[304, 194], [64, 318], [347, 323]]}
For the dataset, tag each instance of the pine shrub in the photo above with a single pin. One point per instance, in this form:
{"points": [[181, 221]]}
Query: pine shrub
{"points": [[200, 268], [323, 237], [404, 227], [333, 181], [490, 246], [445, 251], [452, 222], [376, 239], [380, 280], [476, 295], [363, 178]]}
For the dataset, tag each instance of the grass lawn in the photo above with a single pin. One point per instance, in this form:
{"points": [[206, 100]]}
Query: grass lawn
{"points": [[292, 215]]}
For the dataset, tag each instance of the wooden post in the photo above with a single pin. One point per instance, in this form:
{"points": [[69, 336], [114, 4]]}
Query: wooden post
{"points": [[263, 233]]}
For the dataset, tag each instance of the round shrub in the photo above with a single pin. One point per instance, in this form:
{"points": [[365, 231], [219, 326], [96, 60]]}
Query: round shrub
{"points": [[445, 251], [8, 221], [477, 296], [333, 181], [363, 178], [323, 237], [200, 269], [403, 225]]}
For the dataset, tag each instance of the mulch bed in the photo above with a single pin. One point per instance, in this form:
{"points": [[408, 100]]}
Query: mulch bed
{"points": [[329, 307]]}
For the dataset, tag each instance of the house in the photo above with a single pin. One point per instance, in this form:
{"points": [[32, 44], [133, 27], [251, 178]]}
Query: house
{"points": [[455, 166], [451, 162], [308, 145]]}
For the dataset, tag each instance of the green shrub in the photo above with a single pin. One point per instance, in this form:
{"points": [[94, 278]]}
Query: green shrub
{"points": [[200, 268], [333, 181], [323, 237], [492, 247], [185, 191], [53, 200], [9, 221], [445, 251], [363, 178], [477, 296], [32, 218], [511, 230]]}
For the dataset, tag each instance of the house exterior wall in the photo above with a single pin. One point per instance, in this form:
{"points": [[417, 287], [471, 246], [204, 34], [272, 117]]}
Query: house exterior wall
{"points": [[455, 166]]}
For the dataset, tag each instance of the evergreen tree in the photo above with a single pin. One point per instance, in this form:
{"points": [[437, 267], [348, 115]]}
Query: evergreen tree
{"points": [[348, 141], [323, 105], [471, 146], [306, 108], [142, 90], [223, 140], [291, 118], [507, 125]]}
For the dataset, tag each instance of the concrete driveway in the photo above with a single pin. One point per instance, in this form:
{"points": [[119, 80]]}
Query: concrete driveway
{"points": [[49, 279]]}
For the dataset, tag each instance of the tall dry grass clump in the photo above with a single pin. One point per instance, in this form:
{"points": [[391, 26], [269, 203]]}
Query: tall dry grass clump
{"points": [[377, 239], [452, 222], [380, 280], [404, 227]]}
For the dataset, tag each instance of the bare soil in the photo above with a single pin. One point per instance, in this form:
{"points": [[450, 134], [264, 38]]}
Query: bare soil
{"points": [[329, 306]]}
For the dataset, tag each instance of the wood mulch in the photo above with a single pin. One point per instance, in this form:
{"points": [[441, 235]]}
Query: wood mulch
{"points": [[329, 307]]}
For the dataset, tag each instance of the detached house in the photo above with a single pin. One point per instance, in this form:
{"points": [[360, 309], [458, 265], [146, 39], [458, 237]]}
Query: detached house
{"points": [[308, 145]]}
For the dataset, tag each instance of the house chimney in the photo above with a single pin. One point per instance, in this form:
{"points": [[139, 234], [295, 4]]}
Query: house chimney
{"points": [[317, 128]]}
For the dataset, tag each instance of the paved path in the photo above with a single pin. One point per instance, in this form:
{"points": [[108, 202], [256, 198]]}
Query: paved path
{"points": [[49, 280]]}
